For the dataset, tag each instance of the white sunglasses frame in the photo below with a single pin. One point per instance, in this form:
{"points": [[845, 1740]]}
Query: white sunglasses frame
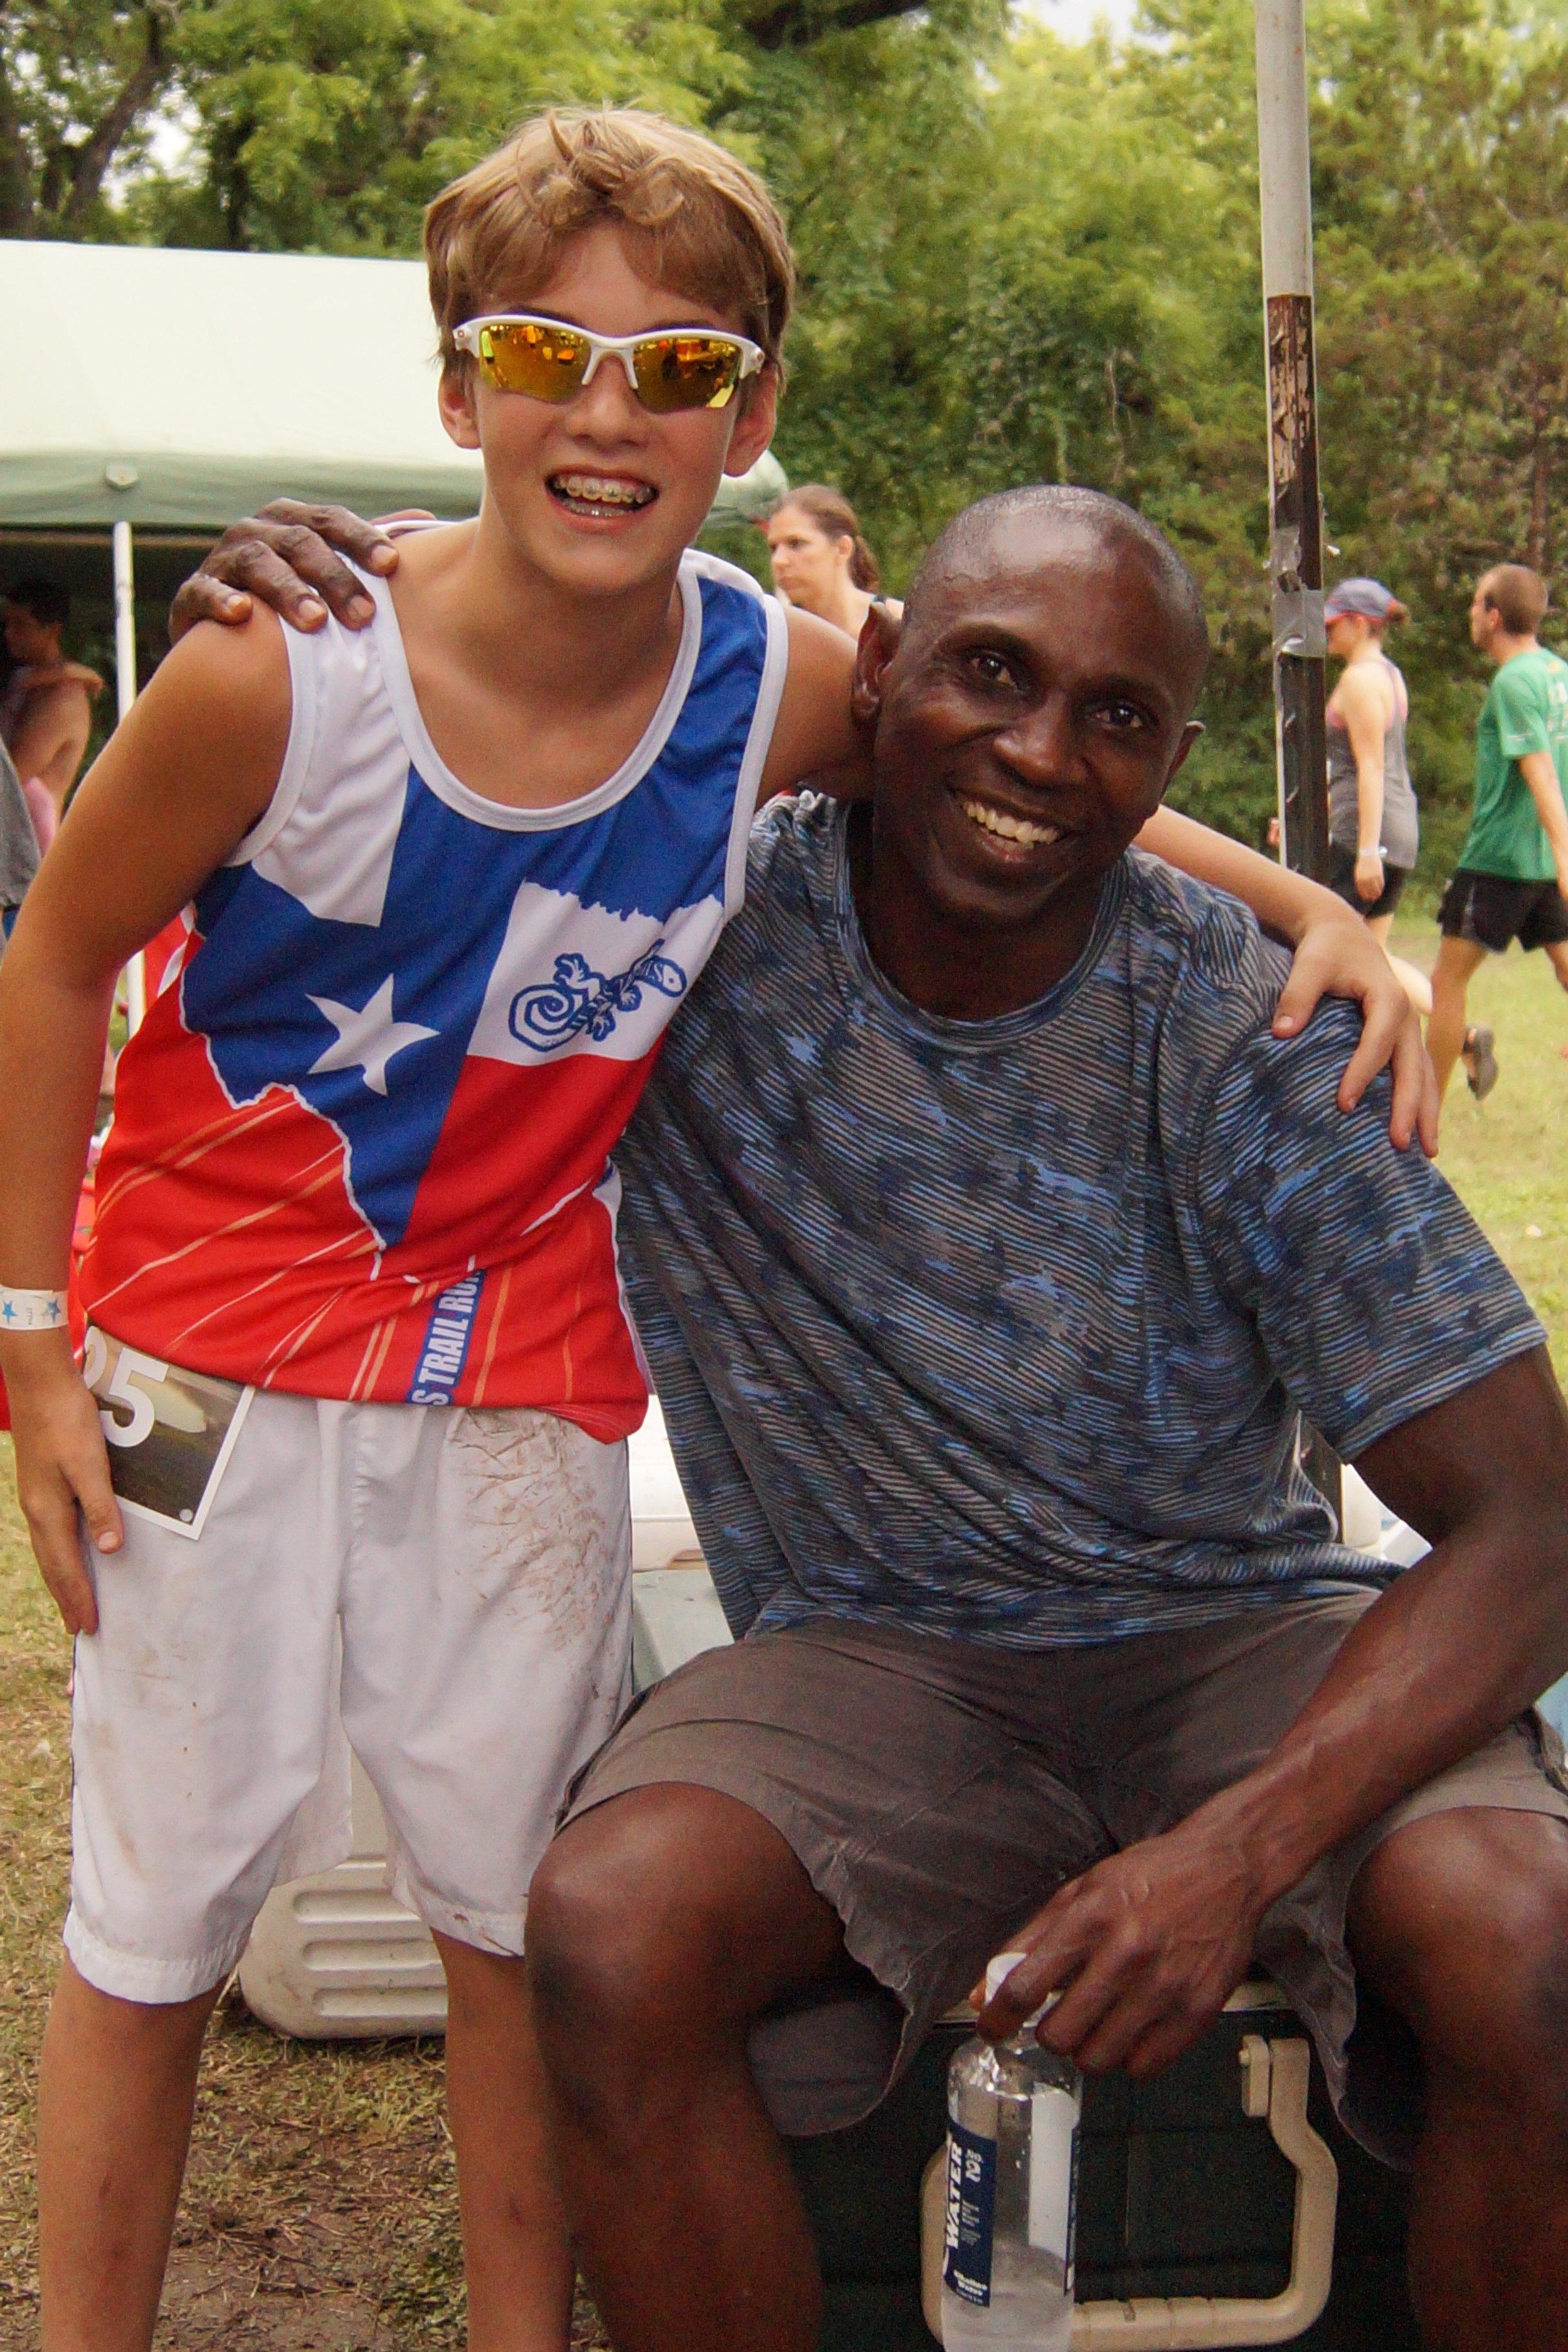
{"points": [[621, 347]]}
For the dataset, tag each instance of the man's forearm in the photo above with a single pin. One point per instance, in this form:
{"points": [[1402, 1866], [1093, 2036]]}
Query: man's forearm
{"points": [[1456, 1647]]}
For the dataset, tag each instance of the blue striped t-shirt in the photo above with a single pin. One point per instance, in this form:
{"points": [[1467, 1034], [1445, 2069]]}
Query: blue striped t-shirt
{"points": [[999, 1329]]}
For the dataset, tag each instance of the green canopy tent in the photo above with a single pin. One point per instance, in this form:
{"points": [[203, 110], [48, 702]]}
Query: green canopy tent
{"points": [[149, 396]]}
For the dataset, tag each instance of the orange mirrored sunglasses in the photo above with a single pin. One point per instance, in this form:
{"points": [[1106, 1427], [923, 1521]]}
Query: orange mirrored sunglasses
{"points": [[678, 368]]}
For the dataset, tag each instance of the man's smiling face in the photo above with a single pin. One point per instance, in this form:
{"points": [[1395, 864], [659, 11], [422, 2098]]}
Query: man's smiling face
{"points": [[1034, 712]]}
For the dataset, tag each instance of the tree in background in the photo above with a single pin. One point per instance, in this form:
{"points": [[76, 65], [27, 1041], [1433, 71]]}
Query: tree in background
{"points": [[314, 125], [80, 85], [1442, 169], [1020, 258]]}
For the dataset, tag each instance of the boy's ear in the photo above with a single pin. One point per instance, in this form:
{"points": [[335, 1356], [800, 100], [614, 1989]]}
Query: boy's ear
{"points": [[754, 423], [880, 635], [455, 400]]}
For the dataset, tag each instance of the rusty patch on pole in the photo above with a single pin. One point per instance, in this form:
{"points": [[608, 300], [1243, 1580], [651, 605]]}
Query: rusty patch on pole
{"points": [[1296, 580]]}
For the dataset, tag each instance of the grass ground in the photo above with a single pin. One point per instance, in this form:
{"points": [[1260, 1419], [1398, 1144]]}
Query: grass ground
{"points": [[1508, 1157], [319, 2213]]}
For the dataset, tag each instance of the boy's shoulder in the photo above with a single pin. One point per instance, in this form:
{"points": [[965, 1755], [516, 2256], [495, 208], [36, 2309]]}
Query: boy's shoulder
{"points": [[701, 564]]}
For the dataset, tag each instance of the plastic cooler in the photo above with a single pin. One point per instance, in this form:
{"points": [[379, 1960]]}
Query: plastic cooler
{"points": [[336, 1956]]}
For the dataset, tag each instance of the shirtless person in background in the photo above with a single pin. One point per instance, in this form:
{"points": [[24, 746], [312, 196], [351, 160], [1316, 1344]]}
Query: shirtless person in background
{"points": [[46, 708]]}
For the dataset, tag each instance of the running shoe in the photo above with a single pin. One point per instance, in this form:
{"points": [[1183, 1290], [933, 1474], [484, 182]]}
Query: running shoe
{"points": [[1480, 1062]]}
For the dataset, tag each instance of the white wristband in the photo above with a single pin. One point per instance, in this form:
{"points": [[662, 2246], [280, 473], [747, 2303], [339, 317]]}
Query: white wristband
{"points": [[33, 1311]]}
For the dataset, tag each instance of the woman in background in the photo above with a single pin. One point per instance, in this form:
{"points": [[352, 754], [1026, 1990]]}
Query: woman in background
{"points": [[1373, 827], [821, 562]]}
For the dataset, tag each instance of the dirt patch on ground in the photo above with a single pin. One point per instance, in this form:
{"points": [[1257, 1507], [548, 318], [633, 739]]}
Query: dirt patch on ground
{"points": [[320, 2210]]}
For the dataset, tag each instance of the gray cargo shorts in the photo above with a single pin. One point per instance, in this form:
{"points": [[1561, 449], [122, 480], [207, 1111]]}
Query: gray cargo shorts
{"points": [[938, 1791]]}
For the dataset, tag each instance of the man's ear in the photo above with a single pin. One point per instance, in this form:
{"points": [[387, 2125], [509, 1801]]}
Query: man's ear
{"points": [[1190, 733], [455, 400], [881, 635]]}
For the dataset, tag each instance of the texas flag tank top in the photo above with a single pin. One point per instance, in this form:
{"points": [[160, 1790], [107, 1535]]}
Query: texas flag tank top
{"points": [[360, 1145]]}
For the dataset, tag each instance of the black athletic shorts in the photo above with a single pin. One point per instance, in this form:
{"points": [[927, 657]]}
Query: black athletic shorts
{"points": [[1492, 910], [1342, 882]]}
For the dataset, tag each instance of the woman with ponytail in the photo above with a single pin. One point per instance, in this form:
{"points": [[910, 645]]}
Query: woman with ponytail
{"points": [[821, 562]]}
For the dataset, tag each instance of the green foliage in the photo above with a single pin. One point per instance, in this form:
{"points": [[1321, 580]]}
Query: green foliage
{"points": [[80, 82], [319, 125], [330, 125], [1019, 258]]}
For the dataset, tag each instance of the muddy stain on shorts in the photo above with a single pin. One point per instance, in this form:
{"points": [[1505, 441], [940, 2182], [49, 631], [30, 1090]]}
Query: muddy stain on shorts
{"points": [[542, 1513]]}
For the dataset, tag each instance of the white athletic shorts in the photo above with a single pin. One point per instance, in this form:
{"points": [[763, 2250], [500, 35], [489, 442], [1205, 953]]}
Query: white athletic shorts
{"points": [[458, 1582]]}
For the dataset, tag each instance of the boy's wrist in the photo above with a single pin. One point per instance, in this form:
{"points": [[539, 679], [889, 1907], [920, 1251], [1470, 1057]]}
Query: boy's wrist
{"points": [[31, 1360], [24, 1309], [1321, 910]]}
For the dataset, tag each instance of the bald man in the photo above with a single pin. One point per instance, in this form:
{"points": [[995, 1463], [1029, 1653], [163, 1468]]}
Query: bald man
{"points": [[983, 1242]]}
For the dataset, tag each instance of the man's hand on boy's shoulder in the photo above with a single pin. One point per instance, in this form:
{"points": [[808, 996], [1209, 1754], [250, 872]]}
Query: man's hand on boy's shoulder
{"points": [[288, 556]]}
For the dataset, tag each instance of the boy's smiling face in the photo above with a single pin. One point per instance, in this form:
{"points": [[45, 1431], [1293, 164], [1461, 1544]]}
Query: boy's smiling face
{"points": [[599, 493]]}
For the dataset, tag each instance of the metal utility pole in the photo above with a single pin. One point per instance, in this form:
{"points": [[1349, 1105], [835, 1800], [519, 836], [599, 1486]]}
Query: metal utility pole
{"points": [[125, 695], [1295, 501], [1294, 506]]}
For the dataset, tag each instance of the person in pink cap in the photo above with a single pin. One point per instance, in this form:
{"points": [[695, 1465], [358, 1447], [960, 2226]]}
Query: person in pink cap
{"points": [[1373, 826], [1373, 829]]}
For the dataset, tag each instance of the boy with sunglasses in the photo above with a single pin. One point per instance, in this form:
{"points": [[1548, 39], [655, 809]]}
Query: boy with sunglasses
{"points": [[358, 1332]]}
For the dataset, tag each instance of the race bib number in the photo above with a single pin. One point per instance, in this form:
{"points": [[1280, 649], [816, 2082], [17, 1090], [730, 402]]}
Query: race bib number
{"points": [[170, 1433]]}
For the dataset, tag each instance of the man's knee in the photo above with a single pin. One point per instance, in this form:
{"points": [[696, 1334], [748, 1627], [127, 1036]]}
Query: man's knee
{"points": [[666, 1918], [609, 1934], [1461, 1922]]}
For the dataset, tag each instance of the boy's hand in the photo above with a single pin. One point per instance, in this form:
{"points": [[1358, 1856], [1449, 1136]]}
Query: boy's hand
{"points": [[1340, 956], [284, 555], [62, 1467]]}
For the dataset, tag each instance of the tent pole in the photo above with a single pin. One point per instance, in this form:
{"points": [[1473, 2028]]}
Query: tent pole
{"points": [[124, 619], [125, 695], [1295, 501]]}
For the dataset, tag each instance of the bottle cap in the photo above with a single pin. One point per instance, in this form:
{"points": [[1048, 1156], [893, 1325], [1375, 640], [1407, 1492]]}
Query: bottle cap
{"points": [[998, 1972]]}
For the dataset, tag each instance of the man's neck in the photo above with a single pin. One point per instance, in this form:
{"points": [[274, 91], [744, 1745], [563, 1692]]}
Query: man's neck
{"points": [[953, 970], [1506, 649]]}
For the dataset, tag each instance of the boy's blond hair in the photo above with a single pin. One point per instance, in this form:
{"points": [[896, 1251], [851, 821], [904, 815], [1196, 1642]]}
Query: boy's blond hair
{"points": [[698, 221]]}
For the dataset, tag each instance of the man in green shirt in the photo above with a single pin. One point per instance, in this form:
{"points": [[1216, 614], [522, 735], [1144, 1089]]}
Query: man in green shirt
{"points": [[1512, 878]]}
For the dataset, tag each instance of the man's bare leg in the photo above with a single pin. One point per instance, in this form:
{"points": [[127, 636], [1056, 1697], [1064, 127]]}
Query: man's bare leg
{"points": [[1462, 1923], [659, 1926], [1458, 960], [516, 2259], [116, 2087], [1557, 956]]}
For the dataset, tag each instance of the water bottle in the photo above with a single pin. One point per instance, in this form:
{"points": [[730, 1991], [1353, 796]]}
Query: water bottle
{"points": [[1012, 2113]]}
